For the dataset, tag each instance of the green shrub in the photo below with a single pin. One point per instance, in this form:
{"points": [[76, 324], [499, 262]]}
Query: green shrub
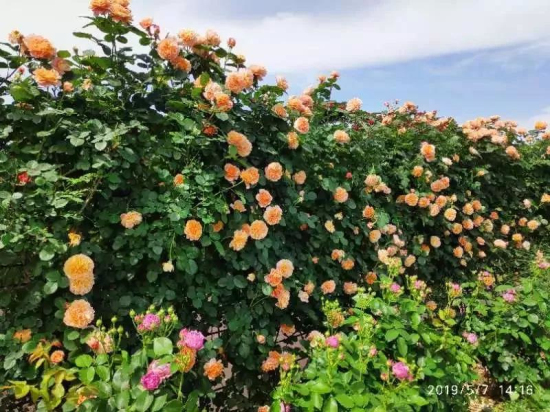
{"points": [[397, 351], [393, 354], [110, 378]]}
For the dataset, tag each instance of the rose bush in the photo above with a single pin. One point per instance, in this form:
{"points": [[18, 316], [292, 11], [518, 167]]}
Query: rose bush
{"points": [[395, 350], [166, 172], [112, 379]]}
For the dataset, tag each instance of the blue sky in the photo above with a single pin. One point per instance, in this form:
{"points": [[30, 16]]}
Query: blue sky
{"points": [[465, 58]]}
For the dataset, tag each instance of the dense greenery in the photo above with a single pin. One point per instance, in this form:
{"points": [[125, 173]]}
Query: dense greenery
{"points": [[165, 173], [396, 351]]}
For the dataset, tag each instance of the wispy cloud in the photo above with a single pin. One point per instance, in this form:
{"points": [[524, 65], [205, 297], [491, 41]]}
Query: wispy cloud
{"points": [[303, 39]]}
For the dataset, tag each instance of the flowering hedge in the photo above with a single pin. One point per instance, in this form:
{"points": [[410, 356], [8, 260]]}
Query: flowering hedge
{"points": [[168, 173], [394, 350]]}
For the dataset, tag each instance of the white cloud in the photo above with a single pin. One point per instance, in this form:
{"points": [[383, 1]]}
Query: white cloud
{"points": [[376, 33]]}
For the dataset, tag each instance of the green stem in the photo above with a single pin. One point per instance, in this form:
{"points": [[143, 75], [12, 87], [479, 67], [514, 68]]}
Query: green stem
{"points": [[180, 393]]}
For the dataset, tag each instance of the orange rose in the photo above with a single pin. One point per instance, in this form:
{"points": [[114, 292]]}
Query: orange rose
{"points": [[273, 215], [193, 230], [264, 198], [341, 195], [250, 176], [168, 49], [45, 77], [274, 171], [240, 237], [301, 124], [213, 369], [293, 140], [179, 180], [23, 335], [328, 287], [258, 230], [57, 356], [39, 47]]}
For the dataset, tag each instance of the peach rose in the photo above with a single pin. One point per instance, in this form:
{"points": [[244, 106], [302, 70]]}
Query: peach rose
{"points": [[293, 140], [341, 195], [279, 110], [250, 176], [181, 63], [341, 136], [231, 172], [79, 314], [131, 219], [193, 230], [240, 237], [264, 198], [39, 47], [46, 77], [57, 356], [273, 215], [428, 151], [188, 38], [282, 83], [241, 142], [274, 171], [285, 267], [299, 177], [258, 230], [368, 212], [353, 105], [100, 6], [301, 124], [328, 287], [168, 49]]}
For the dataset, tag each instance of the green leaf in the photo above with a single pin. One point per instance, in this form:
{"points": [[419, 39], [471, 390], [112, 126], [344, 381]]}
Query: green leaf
{"points": [[104, 389], [122, 400], [222, 116], [103, 373], [159, 403], [330, 405], [417, 400], [345, 400], [87, 375], [191, 267], [392, 334], [125, 301], [533, 318], [162, 346], [47, 253], [82, 35], [143, 401], [100, 145], [240, 282], [173, 406], [402, 346], [320, 387], [73, 335], [50, 288], [83, 361]]}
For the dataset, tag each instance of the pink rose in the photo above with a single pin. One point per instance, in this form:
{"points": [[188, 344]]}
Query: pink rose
{"points": [[400, 371], [151, 381], [333, 341], [193, 339]]}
